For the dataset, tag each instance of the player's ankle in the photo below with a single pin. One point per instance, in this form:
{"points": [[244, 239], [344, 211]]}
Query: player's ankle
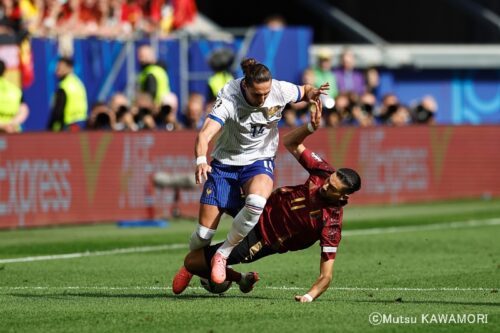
{"points": [[225, 251]]}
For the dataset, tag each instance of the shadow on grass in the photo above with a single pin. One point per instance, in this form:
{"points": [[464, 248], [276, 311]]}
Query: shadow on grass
{"points": [[65, 295], [405, 301]]}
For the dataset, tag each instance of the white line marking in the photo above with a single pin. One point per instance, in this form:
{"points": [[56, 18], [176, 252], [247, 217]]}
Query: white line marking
{"points": [[350, 233], [425, 227], [145, 288], [96, 253]]}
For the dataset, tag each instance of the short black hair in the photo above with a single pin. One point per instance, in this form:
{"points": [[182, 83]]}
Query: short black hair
{"points": [[67, 60], [2, 67], [350, 179]]}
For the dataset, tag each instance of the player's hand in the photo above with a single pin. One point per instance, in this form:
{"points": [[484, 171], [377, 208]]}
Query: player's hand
{"points": [[302, 299], [202, 171], [315, 93], [315, 113]]}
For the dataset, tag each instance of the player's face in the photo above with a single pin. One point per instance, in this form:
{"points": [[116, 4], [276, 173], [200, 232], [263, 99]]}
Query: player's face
{"points": [[257, 93], [333, 188]]}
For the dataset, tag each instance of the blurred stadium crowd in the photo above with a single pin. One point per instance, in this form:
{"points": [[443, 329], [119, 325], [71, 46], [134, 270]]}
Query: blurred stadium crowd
{"points": [[354, 98], [102, 18]]}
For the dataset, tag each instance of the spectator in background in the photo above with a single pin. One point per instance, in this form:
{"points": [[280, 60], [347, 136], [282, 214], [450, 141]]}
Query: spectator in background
{"points": [[323, 72], [301, 109], [275, 22], [10, 18], [69, 111], [363, 111], [349, 79], [184, 12], [13, 110], [166, 118], [124, 120], [344, 103], [101, 117], [289, 117], [389, 105], [31, 13], [89, 17], [341, 111], [153, 78], [220, 62], [425, 111], [372, 80], [400, 117], [144, 111], [194, 116], [332, 118], [131, 14]]}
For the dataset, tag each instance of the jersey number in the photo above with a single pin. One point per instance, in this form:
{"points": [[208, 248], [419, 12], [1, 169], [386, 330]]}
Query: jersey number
{"points": [[269, 166], [257, 130]]}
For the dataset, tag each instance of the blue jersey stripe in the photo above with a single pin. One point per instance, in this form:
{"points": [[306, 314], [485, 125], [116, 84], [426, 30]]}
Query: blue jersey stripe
{"points": [[299, 97], [220, 121]]}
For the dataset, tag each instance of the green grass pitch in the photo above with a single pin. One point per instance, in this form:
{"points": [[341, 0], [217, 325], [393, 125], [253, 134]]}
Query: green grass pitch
{"points": [[408, 262]]}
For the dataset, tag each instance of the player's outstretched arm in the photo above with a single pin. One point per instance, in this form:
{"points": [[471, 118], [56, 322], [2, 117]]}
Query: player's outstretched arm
{"points": [[294, 139], [321, 284], [310, 93], [208, 131]]}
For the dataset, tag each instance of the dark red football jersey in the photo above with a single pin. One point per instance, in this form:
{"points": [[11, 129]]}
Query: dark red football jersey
{"points": [[295, 217]]}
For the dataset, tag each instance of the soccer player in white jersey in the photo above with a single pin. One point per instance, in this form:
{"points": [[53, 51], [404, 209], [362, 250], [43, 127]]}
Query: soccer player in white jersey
{"points": [[246, 112]]}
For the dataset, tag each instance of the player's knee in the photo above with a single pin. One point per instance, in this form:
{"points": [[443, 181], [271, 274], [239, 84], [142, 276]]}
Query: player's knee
{"points": [[254, 206]]}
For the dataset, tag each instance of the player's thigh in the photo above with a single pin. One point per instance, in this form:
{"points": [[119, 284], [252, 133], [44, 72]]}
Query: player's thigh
{"points": [[209, 216], [259, 184], [258, 178]]}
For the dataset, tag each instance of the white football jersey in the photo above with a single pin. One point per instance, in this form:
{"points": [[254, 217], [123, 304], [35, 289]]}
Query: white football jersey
{"points": [[249, 133]]}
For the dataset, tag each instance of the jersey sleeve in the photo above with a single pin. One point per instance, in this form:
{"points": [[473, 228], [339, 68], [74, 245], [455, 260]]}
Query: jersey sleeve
{"points": [[220, 111], [313, 163], [290, 92], [331, 234]]}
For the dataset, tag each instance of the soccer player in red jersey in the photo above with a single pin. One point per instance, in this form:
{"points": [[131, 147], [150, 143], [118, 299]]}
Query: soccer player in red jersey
{"points": [[294, 218]]}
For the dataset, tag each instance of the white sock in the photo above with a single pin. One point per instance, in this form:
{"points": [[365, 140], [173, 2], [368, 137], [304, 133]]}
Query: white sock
{"points": [[201, 237], [244, 221]]}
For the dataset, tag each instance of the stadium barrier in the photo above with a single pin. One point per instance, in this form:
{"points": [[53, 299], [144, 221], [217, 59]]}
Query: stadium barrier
{"points": [[69, 178]]}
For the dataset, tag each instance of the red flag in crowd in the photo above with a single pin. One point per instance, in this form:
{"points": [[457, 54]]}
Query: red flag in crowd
{"points": [[26, 65], [184, 12]]}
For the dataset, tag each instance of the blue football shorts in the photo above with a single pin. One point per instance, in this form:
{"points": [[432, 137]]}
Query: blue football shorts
{"points": [[223, 187]]}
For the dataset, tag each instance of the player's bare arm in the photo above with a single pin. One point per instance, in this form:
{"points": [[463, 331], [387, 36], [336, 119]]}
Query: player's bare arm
{"points": [[294, 139], [310, 93], [207, 133], [321, 284]]}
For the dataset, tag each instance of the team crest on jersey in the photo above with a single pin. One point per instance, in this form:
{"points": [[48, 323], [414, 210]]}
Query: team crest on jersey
{"points": [[217, 103], [273, 111], [316, 157], [208, 191]]}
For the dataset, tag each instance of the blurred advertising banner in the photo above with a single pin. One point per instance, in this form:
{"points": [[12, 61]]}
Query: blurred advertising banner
{"points": [[107, 176]]}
